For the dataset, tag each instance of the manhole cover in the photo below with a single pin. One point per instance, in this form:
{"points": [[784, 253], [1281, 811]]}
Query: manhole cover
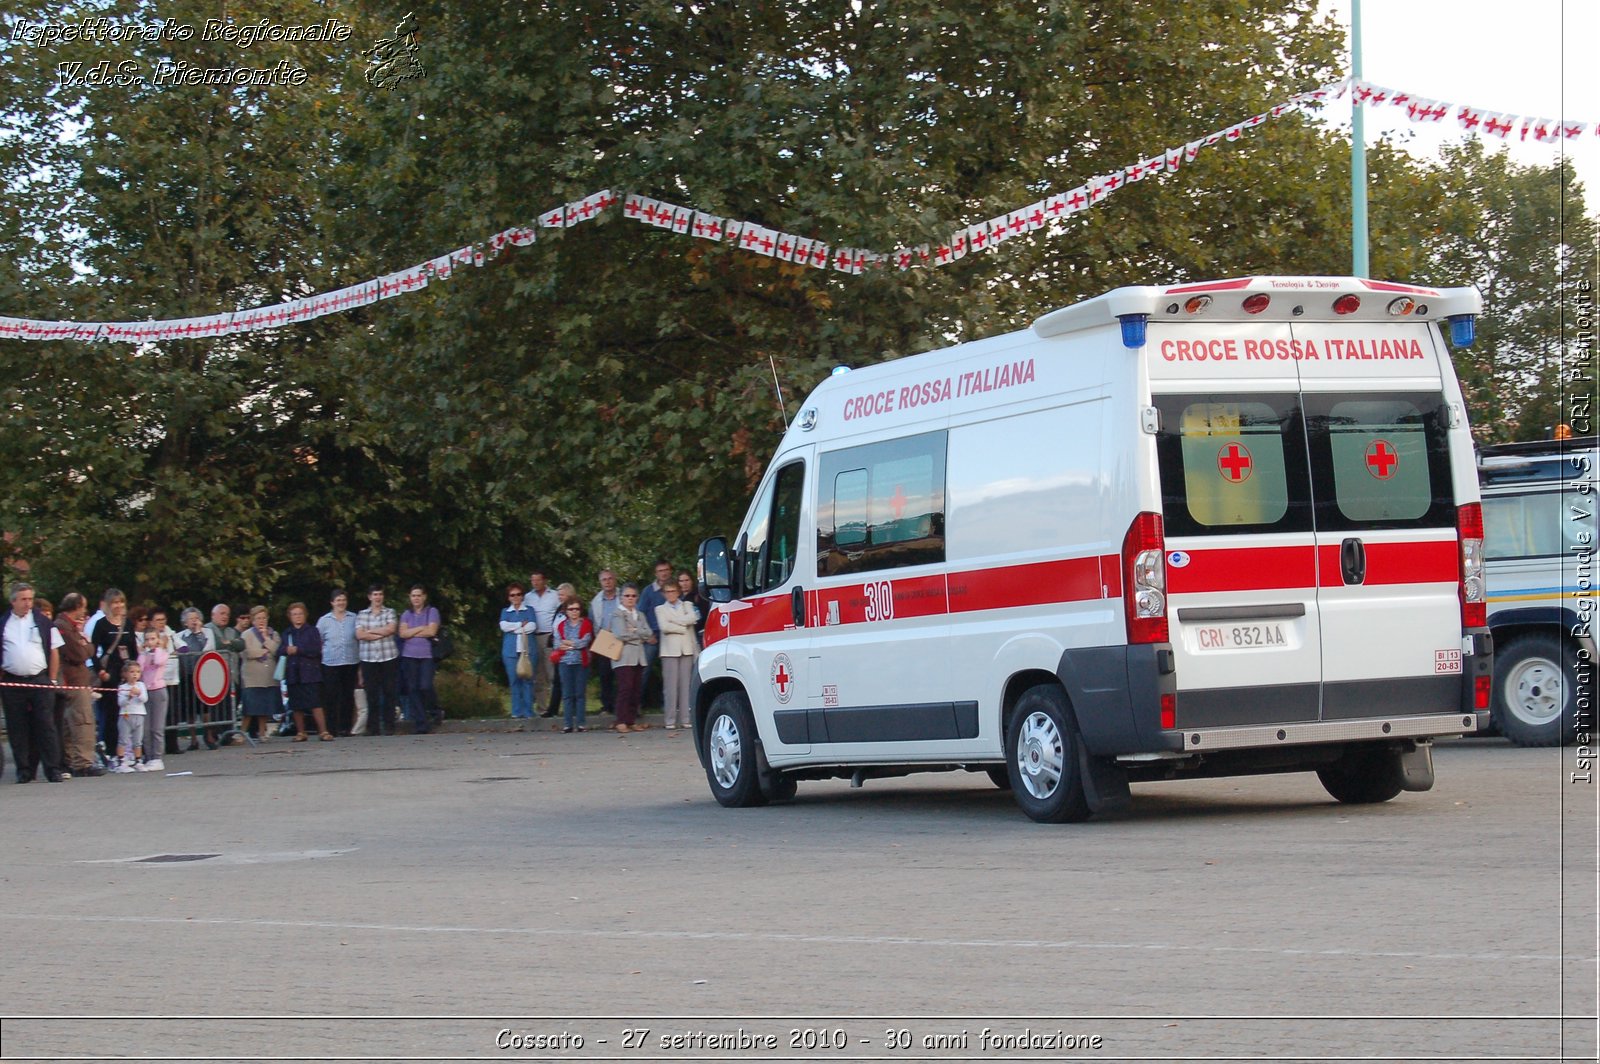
{"points": [[498, 779], [173, 858]]}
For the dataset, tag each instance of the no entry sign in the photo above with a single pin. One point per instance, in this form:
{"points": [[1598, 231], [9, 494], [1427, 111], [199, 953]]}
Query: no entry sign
{"points": [[211, 678]]}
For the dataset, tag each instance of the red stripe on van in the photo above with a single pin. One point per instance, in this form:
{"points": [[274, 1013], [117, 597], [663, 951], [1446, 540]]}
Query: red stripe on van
{"points": [[1426, 562], [1037, 584], [916, 596], [1389, 286], [1245, 569], [1211, 286]]}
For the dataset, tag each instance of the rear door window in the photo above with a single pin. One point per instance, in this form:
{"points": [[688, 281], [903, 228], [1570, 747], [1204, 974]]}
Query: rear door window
{"points": [[1380, 461], [1232, 465]]}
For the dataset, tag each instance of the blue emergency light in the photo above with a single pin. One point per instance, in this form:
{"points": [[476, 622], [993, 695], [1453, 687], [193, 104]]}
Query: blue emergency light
{"points": [[1463, 329], [839, 371], [1133, 326]]}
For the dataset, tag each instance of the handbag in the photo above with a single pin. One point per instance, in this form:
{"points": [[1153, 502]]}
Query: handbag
{"points": [[280, 669], [443, 647], [524, 666]]}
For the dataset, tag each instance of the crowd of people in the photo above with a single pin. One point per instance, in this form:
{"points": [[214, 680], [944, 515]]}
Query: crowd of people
{"points": [[85, 695], [640, 644]]}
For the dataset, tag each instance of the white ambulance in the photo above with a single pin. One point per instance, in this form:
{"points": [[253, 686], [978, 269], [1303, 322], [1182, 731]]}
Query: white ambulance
{"points": [[1202, 530]]}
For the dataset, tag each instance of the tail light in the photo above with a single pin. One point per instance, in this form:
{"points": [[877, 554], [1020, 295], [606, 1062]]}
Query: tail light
{"points": [[1347, 304], [1480, 692], [1169, 712], [1144, 580], [1469, 529]]}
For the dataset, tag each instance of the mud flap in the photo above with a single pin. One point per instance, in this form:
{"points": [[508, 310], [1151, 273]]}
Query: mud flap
{"points": [[1105, 784], [1416, 768]]}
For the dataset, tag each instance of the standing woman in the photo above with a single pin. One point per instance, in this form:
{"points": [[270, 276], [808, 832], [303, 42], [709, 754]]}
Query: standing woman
{"points": [[572, 635], [194, 640], [629, 625], [340, 658], [302, 653], [675, 619], [262, 699], [518, 623], [418, 626], [114, 647]]}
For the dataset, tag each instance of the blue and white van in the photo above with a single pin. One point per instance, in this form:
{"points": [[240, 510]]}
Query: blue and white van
{"points": [[1539, 529]]}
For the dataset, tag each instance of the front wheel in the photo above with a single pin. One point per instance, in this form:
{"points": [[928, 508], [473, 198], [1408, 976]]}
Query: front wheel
{"points": [[1364, 776], [1042, 758], [730, 752], [1535, 691]]}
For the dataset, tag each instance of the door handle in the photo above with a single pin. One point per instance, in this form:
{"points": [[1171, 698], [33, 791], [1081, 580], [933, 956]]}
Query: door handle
{"points": [[1353, 561], [797, 606]]}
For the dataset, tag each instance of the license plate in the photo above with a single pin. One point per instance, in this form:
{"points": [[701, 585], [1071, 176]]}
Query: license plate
{"points": [[1244, 636]]}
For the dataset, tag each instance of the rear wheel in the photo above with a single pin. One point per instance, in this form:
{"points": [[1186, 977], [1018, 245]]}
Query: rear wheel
{"points": [[1535, 691], [730, 748], [1042, 758], [1364, 776]]}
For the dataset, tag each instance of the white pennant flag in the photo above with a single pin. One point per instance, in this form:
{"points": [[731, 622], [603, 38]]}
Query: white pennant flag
{"points": [[802, 251], [441, 267], [633, 206], [819, 255], [731, 231], [784, 249], [682, 218], [707, 226], [554, 218]]}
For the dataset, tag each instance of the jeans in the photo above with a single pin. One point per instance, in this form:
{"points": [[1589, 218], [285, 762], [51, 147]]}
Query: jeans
{"points": [[573, 685], [416, 682], [522, 691]]}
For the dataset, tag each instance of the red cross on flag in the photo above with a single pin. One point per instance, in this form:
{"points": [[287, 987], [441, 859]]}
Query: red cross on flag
{"points": [[1500, 125], [1235, 463], [1382, 461], [440, 267], [731, 231], [819, 255], [633, 206], [958, 245], [801, 252], [682, 218], [555, 218], [1469, 117]]}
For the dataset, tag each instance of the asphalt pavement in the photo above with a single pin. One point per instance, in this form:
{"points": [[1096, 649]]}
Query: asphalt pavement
{"points": [[485, 895]]}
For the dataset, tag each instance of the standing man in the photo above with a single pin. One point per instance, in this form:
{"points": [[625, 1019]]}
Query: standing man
{"points": [[380, 661], [341, 657], [602, 608], [77, 738], [32, 657], [545, 603], [653, 596]]}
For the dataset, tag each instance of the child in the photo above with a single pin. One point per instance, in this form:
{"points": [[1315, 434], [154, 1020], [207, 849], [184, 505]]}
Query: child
{"points": [[131, 697], [153, 669]]}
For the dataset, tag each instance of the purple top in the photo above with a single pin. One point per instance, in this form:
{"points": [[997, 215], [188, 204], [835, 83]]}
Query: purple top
{"points": [[417, 647]]}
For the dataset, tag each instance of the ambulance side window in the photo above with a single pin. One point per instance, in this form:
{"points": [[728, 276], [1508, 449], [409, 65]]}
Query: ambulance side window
{"points": [[1232, 465], [881, 505], [774, 537], [1380, 461]]}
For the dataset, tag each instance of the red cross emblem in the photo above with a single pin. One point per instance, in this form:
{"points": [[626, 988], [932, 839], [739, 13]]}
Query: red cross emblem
{"points": [[782, 677], [1235, 463], [1382, 460], [897, 502]]}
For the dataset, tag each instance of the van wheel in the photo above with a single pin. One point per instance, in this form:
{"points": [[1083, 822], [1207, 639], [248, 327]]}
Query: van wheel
{"points": [[1364, 775], [1042, 758], [730, 748], [1535, 691], [1000, 776]]}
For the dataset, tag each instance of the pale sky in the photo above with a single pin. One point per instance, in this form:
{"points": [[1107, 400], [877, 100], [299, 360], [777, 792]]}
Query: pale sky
{"points": [[1530, 57]]}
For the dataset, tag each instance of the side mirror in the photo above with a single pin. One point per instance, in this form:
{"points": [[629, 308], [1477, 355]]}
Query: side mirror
{"points": [[716, 575]]}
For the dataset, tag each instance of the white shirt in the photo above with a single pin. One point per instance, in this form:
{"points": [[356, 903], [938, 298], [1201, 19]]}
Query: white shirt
{"points": [[24, 654], [545, 606], [88, 626]]}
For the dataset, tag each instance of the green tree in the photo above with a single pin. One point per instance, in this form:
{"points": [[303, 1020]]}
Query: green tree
{"points": [[1522, 236]]}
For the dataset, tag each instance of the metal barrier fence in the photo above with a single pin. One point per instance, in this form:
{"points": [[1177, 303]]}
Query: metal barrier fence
{"points": [[189, 717]]}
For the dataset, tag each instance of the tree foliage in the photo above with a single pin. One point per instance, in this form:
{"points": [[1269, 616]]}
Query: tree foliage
{"points": [[608, 393]]}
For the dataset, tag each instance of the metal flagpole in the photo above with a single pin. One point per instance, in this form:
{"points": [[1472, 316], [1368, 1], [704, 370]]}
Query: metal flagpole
{"points": [[1358, 155]]}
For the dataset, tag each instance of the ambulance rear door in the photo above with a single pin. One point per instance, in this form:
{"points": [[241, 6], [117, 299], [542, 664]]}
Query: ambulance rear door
{"points": [[1237, 514], [1379, 434]]}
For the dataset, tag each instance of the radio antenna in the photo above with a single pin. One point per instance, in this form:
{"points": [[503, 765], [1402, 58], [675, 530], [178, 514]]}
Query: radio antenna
{"points": [[782, 410]]}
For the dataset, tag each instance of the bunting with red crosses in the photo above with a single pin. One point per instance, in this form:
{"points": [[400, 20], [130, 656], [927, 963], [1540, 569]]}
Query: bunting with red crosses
{"points": [[1047, 215]]}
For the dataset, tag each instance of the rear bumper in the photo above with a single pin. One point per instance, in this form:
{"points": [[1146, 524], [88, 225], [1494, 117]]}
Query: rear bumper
{"points": [[1432, 725]]}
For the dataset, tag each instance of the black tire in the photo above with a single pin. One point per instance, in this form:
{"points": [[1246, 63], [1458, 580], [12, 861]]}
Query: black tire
{"points": [[731, 754], [1042, 744], [1000, 776], [1536, 690], [1364, 776]]}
